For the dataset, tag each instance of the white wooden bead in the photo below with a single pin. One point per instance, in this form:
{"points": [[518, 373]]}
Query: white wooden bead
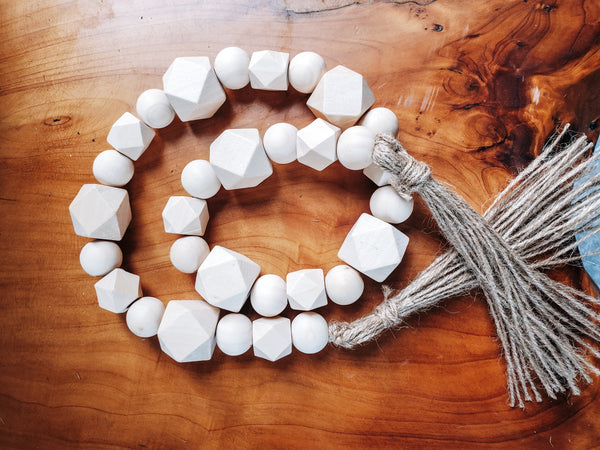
{"points": [[187, 253], [269, 70], [341, 97], [306, 289], [239, 159], [386, 204], [100, 212], [199, 179], [225, 278], [272, 338], [154, 108], [373, 247], [344, 285], [231, 67], [355, 146], [305, 71], [310, 332], [130, 136], [117, 290], [193, 89], [144, 316], [377, 175], [98, 258], [187, 330], [112, 168], [185, 215], [381, 121], [269, 296], [280, 143], [234, 334], [316, 144]]}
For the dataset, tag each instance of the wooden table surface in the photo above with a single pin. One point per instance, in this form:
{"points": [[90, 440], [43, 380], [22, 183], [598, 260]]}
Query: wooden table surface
{"points": [[477, 87]]}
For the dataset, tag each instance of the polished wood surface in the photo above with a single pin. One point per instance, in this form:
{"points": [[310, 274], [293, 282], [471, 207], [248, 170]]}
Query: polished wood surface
{"points": [[477, 87]]}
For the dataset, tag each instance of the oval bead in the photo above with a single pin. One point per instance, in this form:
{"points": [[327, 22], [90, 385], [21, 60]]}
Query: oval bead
{"points": [[187, 253], [144, 316], [354, 147], [97, 258], [344, 285], [199, 179], [112, 168], [381, 121], [234, 334], [305, 71], [310, 332], [269, 295], [279, 142], [154, 108], [386, 204], [231, 67]]}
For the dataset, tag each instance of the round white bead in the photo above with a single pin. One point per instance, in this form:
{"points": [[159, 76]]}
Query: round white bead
{"points": [[344, 285], [144, 316], [154, 108], [390, 207], [199, 179], [231, 67], [280, 143], [354, 147], [98, 258], [187, 253], [269, 296], [234, 334], [310, 332], [112, 168], [381, 121], [305, 71]]}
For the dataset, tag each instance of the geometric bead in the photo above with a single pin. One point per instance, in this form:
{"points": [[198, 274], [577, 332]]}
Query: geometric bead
{"points": [[185, 215], [306, 289], [316, 144], [377, 175], [272, 338], [130, 136], [268, 70], [117, 290]]}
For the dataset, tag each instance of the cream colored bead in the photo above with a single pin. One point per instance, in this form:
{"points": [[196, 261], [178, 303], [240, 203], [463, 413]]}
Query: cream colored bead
{"points": [[316, 144], [310, 333], [381, 121], [272, 338], [98, 258], [269, 70], [231, 67], [386, 204], [280, 143], [130, 136], [377, 175], [117, 290], [234, 334], [112, 168], [268, 296], [306, 289], [305, 71], [199, 179], [185, 215], [187, 253], [355, 146], [344, 285], [144, 316], [154, 108]]}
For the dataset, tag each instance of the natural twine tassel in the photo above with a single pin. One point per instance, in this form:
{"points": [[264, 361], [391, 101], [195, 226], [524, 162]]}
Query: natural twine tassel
{"points": [[540, 322]]}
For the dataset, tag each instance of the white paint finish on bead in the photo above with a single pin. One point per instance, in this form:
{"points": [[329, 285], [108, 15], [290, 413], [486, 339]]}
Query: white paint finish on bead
{"points": [[193, 89], [187, 330], [272, 338], [231, 67], [117, 290], [199, 179], [144, 316], [355, 146], [316, 144], [154, 108], [306, 289], [341, 97], [185, 215], [239, 159], [373, 247], [112, 168], [377, 175], [310, 333], [225, 278], [130, 136], [344, 285], [97, 258], [187, 253], [386, 204], [280, 143], [269, 70], [381, 121], [100, 212], [305, 71], [269, 295], [234, 334]]}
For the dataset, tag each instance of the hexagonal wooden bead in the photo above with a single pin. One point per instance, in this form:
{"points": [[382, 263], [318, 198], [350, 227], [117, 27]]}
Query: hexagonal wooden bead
{"points": [[130, 136], [100, 212], [117, 290], [306, 289], [268, 70], [316, 144], [272, 338], [185, 215], [377, 175], [373, 247], [187, 330]]}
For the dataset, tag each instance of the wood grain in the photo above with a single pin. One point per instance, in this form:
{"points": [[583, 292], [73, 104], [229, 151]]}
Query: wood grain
{"points": [[477, 87]]}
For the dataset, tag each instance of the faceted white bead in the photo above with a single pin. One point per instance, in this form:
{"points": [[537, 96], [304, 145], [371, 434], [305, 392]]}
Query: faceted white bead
{"points": [[272, 338], [269, 296], [239, 159], [98, 258], [341, 97], [112, 168], [381, 121], [144, 316], [234, 334], [344, 285], [193, 88], [305, 71], [386, 204], [185, 215], [355, 146], [130, 136], [199, 179], [310, 332], [316, 144], [187, 253], [225, 278], [280, 143], [373, 247], [306, 289], [117, 290], [377, 175], [268, 70], [100, 212], [187, 330], [231, 67], [154, 108]]}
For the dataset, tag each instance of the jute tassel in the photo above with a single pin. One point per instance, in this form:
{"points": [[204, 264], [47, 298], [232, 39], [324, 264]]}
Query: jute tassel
{"points": [[542, 325]]}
